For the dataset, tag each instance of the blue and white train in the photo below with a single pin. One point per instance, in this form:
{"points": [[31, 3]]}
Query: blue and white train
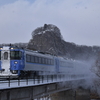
{"points": [[15, 62]]}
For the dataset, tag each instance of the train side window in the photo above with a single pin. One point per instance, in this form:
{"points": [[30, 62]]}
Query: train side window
{"points": [[49, 61], [20, 55], [46, 61], [36, 59], [65, 64], [52, 62], [62, 64], [32, 59], [40, 60], [28, 58]]}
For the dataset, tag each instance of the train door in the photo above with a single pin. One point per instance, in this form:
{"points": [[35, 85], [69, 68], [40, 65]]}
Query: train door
{"points": [[5, 60], [57, 65], [22, 59]]}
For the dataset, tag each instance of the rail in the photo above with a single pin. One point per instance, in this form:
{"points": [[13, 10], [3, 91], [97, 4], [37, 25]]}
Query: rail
{"points": [[36, 80]]}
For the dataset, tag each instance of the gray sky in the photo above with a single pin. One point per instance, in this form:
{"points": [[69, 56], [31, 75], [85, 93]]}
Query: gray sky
{"points": [[78, 20]]}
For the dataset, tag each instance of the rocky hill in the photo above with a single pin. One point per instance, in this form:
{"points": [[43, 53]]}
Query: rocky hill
{"points": [[48, 39]]}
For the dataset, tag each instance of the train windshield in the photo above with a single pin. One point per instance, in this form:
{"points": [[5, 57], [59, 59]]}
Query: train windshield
{"points": [[15, 55], [5, 55]]}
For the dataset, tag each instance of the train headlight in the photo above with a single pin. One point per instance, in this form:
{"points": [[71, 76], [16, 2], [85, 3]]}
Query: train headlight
{"points": [[14, 71], [15, 62], [11, 48]]}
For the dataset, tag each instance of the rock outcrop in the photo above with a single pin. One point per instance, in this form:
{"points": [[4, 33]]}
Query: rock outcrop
{"points": [[48, 39]]}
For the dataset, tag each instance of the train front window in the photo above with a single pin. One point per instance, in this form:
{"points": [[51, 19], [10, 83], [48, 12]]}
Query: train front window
{"points": [[15, 55], [5, 55]]}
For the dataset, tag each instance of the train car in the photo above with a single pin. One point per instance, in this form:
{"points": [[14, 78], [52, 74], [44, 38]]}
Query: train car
{"points": [[39, 63], [20, 62], [72, 68], [12, 61], [0, 58]]}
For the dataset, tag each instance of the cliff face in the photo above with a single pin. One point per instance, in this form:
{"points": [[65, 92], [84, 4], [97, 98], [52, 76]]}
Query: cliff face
{"points": [[49, 39]]}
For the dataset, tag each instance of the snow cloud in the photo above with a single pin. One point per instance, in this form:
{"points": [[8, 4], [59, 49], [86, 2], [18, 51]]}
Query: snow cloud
{"points": [[78, 20]]}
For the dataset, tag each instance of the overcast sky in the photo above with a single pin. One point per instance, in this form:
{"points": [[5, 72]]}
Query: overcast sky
{"points": [[78, 20]]}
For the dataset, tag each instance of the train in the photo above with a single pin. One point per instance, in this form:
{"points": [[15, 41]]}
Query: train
{"points": [[17, 62]]}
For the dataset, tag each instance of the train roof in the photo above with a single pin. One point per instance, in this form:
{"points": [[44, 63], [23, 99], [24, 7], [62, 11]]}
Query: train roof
{"points": [[39, 53]]}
